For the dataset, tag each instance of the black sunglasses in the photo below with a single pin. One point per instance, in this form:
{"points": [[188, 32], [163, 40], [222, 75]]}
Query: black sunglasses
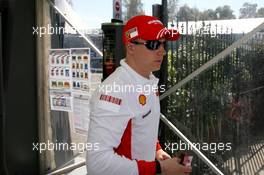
{"points": [[150, 44]]}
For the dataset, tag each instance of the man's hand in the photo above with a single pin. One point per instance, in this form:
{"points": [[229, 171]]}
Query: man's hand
{"points": [[162, 155], [172, 167]]}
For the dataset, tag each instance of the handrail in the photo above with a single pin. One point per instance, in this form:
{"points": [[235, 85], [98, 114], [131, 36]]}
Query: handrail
{"points": [[77, 30], [65, 164], [68, 168], [193, 148]]}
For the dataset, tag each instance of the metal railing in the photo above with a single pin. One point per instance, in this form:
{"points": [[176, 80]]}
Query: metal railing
{"points": [[68, 168], [89, 42]]}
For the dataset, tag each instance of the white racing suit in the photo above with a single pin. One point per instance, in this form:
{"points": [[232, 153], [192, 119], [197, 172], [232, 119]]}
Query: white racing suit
{"points": [[124, 125]]}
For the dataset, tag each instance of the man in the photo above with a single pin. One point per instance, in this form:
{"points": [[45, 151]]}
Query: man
{"points": [[125, 114]]}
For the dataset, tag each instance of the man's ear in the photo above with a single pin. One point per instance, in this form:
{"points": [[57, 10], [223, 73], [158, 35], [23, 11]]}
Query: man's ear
{"points": [[130, 48], [129, 45]]}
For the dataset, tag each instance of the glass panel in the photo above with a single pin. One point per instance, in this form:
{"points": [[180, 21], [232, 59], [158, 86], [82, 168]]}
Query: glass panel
{"points": [[70, 127]]}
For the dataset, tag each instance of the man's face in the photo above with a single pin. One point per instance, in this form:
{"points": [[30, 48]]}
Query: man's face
{"points": [[149, 60]]}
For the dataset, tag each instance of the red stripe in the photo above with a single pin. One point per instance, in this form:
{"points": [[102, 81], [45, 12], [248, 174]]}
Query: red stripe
{"points": [[116, 101], [146, 168], [124, 148], [108, 97], [158, 147]]}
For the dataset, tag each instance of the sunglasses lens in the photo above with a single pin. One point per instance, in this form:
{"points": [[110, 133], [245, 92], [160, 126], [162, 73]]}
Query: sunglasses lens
{"points": [[150, 44], [153, 44]]}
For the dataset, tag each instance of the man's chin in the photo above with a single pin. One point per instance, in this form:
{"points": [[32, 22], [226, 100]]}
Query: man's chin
{"points": [[157, 68]]}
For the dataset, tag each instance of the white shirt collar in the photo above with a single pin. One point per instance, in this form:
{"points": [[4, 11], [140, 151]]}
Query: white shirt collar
{"points": [[139, 78]]}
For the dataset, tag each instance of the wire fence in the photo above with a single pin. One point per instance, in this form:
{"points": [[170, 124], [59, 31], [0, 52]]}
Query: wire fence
{"points": [[223, 105]]}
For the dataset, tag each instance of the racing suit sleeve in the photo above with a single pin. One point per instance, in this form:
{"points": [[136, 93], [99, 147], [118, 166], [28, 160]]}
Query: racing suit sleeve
{"points": [[106, 130]]}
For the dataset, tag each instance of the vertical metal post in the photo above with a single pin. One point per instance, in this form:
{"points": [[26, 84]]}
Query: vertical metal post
{"points": [[2, 103], [161, 12]]}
